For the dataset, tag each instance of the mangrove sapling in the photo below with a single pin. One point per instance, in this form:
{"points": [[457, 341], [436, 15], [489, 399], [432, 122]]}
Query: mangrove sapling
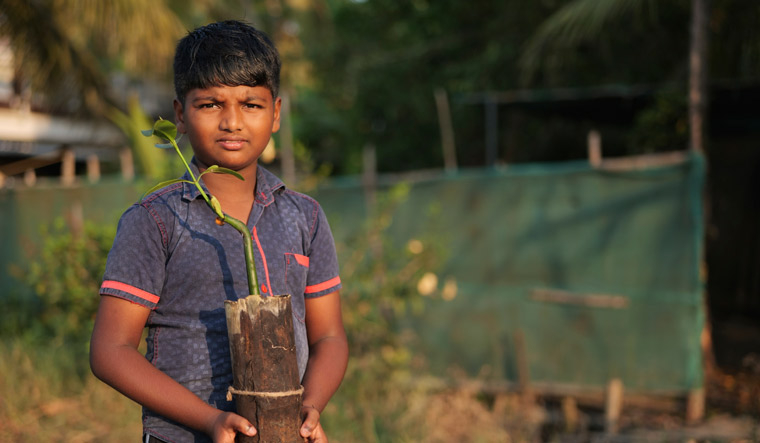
{"points": [[168, 131], [260, 329]]}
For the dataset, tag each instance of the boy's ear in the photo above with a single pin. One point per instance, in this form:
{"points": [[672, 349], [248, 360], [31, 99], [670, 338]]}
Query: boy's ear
{"points": [[179, 117], [277, 106]]}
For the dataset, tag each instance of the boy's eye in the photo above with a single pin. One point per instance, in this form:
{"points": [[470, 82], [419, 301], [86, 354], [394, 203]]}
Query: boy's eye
{"points": [[252, 105], [207, 105]]}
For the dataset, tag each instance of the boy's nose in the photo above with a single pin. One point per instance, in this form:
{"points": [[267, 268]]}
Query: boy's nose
{"points": [[231, 120]]}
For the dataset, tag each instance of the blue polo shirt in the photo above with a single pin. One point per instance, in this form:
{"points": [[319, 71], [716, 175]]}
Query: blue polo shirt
{"points": [[170, 256]]}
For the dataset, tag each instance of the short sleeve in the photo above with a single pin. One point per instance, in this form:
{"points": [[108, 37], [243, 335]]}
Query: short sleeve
{"points": [[136, 264], [323, 275]]}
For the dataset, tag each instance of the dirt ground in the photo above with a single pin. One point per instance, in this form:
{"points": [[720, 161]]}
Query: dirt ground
{"points": [[732, 407], [731, 415]]}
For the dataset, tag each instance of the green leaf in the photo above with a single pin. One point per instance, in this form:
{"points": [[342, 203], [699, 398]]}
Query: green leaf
{"points": [[166, 183], [147, 132], [165, 129], [220, 170]]}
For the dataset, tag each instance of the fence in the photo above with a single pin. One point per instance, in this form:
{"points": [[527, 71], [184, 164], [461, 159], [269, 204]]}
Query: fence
{"points": [[558, 274]]}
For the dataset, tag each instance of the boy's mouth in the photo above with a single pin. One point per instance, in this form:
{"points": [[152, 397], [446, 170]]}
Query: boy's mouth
{"points": [[232, 143]]}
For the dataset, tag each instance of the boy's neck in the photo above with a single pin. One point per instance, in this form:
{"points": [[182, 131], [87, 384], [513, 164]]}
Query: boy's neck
{"points": [[236, 196]]}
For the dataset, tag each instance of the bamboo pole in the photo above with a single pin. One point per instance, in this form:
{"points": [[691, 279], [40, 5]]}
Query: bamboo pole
{"points": [[266, 382]]}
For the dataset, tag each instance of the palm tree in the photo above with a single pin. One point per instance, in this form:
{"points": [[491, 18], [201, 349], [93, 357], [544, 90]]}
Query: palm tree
{"points": [[583, 20], [67, 50]]}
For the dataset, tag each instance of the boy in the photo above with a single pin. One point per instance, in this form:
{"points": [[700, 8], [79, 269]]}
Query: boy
{"points": [[171, 267]]}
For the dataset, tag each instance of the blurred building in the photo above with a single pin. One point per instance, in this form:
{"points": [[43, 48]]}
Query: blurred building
{"points": [[35, 143]]}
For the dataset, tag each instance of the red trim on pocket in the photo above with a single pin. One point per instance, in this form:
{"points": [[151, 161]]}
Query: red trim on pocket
{"points": [[322, 286], [137, 292], [300, 259]]}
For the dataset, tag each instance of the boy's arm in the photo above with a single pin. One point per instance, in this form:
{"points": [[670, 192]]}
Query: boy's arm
{"points": [[328, 357], [114, 358]]}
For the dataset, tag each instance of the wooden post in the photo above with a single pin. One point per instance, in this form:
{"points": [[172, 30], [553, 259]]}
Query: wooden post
{"points": [[127, 164], [695, 406], [93, 168], [613, 405], [523, 370], [698, 73], [492, 129], [571, 414], [369, 174], [594, 142], [68, 167], [30, 177], [286, 141], [265, 377], [447, 129]]}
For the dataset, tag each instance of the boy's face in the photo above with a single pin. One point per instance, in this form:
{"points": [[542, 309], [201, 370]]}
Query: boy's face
{"points": [[228, 126]]}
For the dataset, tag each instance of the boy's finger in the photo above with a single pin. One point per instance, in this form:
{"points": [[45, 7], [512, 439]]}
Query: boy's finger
{"points": [[247, 429], [311, 418]]}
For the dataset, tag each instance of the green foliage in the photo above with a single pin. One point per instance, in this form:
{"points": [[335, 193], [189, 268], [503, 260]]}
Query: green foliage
{"points": [[69, 49], [664, 125], [595, 42], [379, 296], [65, 276], [376, 65]]}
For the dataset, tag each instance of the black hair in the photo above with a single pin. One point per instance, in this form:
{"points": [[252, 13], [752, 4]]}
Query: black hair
{"points": [[231, 53]]}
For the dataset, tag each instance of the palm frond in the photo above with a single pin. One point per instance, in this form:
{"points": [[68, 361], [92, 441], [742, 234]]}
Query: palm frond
{"points": [[576, 22], [69, 47]]}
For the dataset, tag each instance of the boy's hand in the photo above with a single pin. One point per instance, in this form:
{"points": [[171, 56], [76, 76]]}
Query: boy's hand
{"points": [[227, 424], [311, 430]]}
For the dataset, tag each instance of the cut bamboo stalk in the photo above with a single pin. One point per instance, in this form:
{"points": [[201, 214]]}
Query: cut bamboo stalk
{"points": [[266, 382]]}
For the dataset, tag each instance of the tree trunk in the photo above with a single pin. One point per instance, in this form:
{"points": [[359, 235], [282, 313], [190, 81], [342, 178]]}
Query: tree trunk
{"points": [[265, 377]]}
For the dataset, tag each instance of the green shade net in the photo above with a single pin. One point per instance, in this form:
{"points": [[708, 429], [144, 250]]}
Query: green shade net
{"points": [[585, 274]]}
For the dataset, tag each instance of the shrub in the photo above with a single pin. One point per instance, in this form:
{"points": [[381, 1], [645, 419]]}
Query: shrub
{"points": [[64, 276]]}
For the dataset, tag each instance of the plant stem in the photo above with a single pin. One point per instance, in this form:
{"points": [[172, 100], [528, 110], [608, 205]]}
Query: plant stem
{"points": [[195, 180], [213, 203], [250, 267]]}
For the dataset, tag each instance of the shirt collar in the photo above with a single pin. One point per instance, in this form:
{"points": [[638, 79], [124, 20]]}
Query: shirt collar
{"points": [[266, 184]]}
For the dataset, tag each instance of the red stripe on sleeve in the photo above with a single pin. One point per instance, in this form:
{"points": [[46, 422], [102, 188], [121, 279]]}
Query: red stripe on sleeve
{"points": [[322, 286], [137, 292]]}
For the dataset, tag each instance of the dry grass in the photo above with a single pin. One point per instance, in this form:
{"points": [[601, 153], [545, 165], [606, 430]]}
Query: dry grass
{"points": [[46, 394], [42, 399]]}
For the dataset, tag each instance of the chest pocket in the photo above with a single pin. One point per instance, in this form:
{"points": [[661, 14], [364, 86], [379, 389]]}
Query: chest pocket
{"points": [[296, 271]]}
